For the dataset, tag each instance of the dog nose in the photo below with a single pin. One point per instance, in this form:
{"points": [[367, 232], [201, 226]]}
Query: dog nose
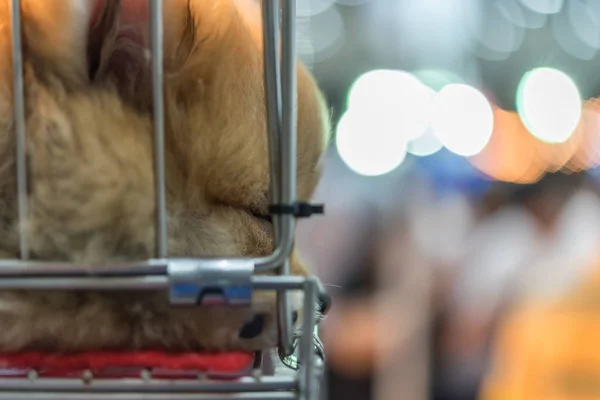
{"points": [[253, 328], [324, 301]]}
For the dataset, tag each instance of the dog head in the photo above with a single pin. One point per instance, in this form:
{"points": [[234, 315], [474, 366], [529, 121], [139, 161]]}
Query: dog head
{"points": [[215, 130], [90, 163]]}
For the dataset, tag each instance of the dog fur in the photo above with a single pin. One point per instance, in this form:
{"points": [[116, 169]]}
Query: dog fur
{"points": [[90, 169]]}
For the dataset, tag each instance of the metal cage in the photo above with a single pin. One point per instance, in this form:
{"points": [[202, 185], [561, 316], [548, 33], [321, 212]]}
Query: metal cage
{"points": [[187, 279]]}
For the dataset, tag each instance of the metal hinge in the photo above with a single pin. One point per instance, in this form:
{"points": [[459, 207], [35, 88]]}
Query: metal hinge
{"points": [[210, 282]]}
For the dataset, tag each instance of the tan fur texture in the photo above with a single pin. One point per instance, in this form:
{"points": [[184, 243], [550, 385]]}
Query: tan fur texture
{"points": [[89, 148]]}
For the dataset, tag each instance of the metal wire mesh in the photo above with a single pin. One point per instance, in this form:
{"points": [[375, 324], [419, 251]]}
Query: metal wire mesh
{"points": [[280, 80]]}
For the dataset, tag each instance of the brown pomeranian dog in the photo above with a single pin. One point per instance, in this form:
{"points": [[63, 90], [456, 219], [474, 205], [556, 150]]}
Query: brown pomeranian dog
{"points": [[90, 169]]}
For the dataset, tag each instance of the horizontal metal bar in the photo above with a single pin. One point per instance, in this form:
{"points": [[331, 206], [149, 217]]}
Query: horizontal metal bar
{"points": [[41, 268], [17, 395], [133, 283], [85, 283], [278, 282], [246, 384], [14, 267]]}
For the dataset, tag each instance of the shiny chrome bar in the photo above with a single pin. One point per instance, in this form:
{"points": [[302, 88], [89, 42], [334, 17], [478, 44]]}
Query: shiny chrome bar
{"points": [[17, 268], [307, 378], [287, 136], [17, 395], [278, 121], [137, 385], [89, 283], [156, 42], [284, 318], [270, 13], [289, 119], [138, 282], [19, 123]]}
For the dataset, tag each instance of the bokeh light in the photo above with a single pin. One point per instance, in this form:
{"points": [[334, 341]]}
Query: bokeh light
{"points": [[351, 3], [463, 120], [437, 78], [549, 104], [320, 36], [543, 6], [368, 145], [522, 16], [587, 153], [583, 19], [514, 155], [308, 8], [425, 145], [570, 36], [498, 33], [511, 154], [398, 99]]}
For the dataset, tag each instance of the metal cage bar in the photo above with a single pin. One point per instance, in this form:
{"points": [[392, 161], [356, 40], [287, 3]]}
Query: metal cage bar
{"points": [[280, 79], [306, 379], [288, 156], [19, 116], [286, 137], [134, 396], [272, 80], [270, 14], [156, 40], [138, 283], [248, 384]]}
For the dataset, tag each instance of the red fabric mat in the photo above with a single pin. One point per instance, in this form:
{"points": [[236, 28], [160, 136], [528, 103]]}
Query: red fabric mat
{"points": [[217, 363]]}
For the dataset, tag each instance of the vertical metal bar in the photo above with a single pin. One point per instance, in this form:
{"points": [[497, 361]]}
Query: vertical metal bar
{"points": [[289, 121], [288, 137], [289, 96], [19, 116], [288, 158], [307, 351], [270, 14], [285, 323], [156, 37]]}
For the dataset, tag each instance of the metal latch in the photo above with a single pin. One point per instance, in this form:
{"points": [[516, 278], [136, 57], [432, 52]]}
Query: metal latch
{"points": [[210, 282], [292, 361]]}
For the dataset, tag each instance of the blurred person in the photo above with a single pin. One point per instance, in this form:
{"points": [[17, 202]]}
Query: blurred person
{"points": [[418, 248], [532, 242], [433, 245], [350, 333], [341, 247], [547, 348], [374, 333]]}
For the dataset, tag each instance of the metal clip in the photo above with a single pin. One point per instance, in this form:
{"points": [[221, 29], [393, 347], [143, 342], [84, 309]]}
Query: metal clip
{"points": [[210, 282], [292, 360]]}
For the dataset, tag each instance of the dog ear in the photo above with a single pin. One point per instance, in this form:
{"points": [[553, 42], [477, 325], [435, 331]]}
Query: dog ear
{"points": [[63, 38], [55, 37], [120, 48], [102, 34], [192, 48]]}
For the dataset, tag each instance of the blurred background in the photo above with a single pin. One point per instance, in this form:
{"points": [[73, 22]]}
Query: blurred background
{"points": [[462, 231]]}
